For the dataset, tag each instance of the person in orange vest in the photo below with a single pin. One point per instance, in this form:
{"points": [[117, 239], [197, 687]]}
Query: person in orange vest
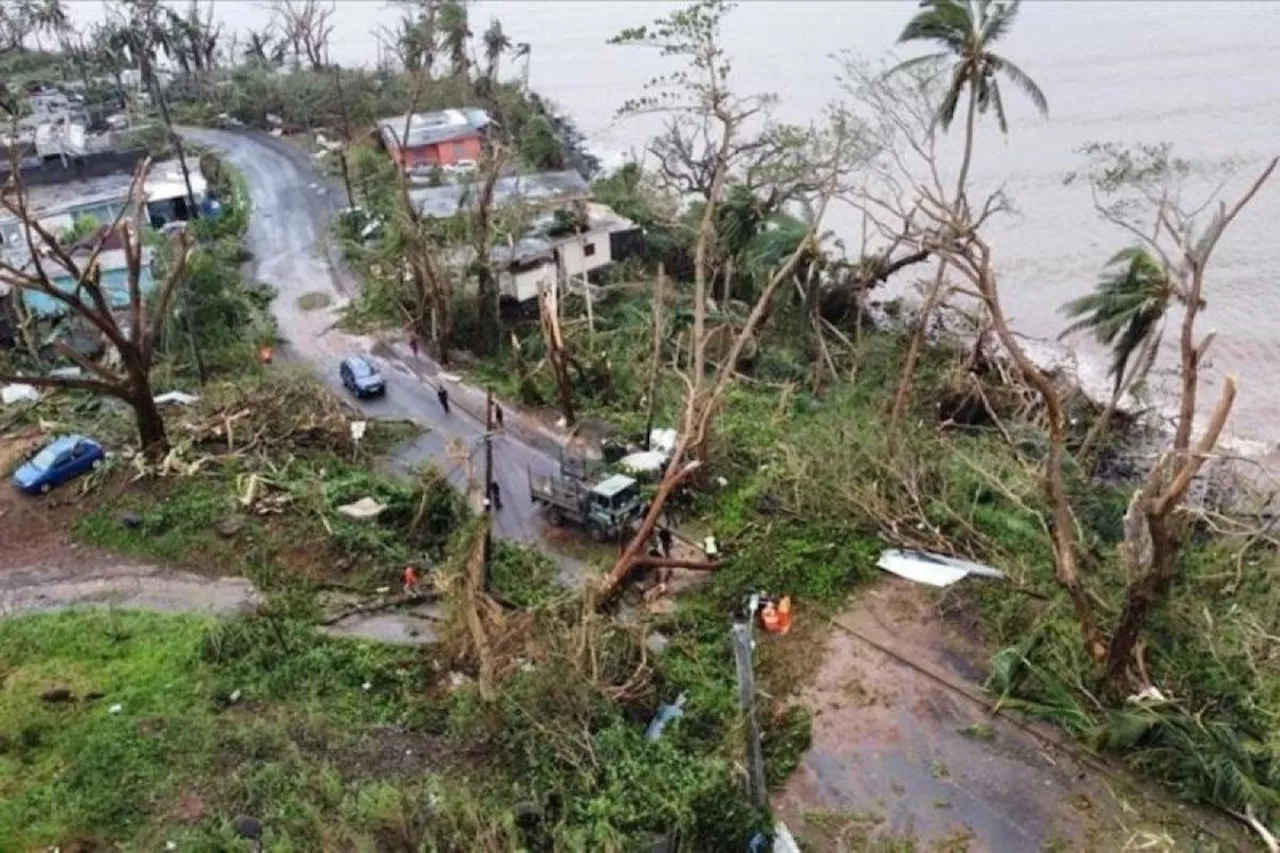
{"points": [[264, 354], [784, 614], [410, 581], [769, 617], [776, 618]]}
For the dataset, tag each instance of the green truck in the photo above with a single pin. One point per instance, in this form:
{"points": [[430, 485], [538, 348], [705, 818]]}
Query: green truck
{"points": [[606, 508]]}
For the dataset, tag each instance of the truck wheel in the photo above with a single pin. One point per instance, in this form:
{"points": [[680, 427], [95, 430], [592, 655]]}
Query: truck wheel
{"points": [[554, 518], [598, 535]]}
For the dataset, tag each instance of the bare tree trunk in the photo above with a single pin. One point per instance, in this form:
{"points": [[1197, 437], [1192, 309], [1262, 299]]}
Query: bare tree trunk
{"points": [[152, 437], [1149, 586], [918, 335], [979, 269], [659, 289]]}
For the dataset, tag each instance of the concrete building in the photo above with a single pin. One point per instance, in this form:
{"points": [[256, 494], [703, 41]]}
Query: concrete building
{"points": [[442, 138], [58, 206], [547, 252]]}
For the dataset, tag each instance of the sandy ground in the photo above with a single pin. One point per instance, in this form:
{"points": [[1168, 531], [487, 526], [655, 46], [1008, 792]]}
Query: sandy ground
{"points": [[897, 753]]}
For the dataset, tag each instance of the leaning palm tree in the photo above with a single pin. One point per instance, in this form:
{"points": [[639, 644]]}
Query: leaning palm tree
{"points": [[1125, 312], [966, 29], [496, 42]]}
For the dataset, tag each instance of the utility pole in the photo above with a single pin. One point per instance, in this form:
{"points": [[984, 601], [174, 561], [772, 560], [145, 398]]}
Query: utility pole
{"points": [[346, 137], [488, 483], [658, 288], [747, 703]]}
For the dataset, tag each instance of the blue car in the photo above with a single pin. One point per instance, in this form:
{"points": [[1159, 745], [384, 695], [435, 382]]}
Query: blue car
{"points": [[61, 460], [361, 377]]}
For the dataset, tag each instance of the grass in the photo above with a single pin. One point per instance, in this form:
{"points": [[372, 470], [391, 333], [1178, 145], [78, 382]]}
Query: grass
{"points": [[300, 749], [180, 522]]}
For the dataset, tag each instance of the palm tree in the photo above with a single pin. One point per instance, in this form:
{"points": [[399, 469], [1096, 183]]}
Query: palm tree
{"points": [[454, 35], [51, 17], [1125, 312], [966, 29], [496, 43]]}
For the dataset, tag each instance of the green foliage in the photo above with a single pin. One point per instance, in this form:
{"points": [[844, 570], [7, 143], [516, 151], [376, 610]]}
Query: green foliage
{"points": [[540, 147], [522, 576], [1126, 310], [76, 769]]}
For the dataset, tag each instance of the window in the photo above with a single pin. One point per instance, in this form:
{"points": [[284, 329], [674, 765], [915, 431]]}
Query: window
{"points": [[459, 150], [588, 249]]}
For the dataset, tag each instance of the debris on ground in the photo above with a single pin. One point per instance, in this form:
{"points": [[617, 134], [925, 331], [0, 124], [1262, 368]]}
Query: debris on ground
{"points": [[645, 461], [18, 392], [666, 714], [180, 398], [363, 509], [932, 569]]}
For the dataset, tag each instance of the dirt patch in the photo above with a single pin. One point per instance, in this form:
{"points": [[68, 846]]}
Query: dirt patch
{"points": [[189, 808], [897, 754]]}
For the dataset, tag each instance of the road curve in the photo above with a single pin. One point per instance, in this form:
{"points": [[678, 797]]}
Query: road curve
{"points": [[292, 211]]}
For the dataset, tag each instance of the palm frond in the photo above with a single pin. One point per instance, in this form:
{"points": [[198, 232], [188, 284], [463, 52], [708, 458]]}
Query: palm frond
{"points": [[1126, 308], [995, 26], [931, 59], [1020, 79], [1002, 121], [947, 109], [945, 21]]}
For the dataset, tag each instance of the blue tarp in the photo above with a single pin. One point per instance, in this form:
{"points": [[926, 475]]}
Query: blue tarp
{"points": [[115, 284]]}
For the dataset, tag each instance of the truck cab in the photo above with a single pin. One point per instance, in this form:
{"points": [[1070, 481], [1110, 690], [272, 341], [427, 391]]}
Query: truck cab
{"points": [[613, 503]]}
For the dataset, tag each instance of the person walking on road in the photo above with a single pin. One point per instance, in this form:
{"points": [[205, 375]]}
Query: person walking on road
{"points": [[497, 416], [413, 344], [443, 396], [664, 539], [496, 493]]}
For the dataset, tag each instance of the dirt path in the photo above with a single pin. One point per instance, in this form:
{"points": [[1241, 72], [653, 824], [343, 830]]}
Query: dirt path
{"points": [[897, 753], [62, 581]]}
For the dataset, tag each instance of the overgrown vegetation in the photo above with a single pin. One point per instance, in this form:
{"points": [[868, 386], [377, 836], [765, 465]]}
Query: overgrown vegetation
{"points": [[744, 326]]}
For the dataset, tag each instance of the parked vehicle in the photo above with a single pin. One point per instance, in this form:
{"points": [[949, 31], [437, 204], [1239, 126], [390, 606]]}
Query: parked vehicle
{"points": [[361, 377], [605, 509], [63, 459]]}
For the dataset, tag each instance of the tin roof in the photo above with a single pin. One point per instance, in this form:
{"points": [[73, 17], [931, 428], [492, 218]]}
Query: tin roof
{"points": [[543, 188], [431, 128]]}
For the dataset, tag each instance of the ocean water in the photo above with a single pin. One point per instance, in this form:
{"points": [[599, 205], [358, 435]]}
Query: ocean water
{"points": [[1200, 75]]}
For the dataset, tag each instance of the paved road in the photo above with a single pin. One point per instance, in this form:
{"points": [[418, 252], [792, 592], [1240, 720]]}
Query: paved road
{"points": [[288, 236]]}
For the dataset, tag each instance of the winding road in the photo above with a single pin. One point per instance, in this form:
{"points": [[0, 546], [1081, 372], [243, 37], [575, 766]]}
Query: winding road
{"points": [[293, 208]]}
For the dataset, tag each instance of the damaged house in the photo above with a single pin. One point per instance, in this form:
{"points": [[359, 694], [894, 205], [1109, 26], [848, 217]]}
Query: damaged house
{"points": [[567, 238]]}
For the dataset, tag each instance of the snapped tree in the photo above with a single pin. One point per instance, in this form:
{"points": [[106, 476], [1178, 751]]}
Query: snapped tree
{"points": [[813, 165]]}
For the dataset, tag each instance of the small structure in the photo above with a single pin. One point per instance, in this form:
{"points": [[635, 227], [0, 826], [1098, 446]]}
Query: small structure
{"points": [[549, 252], [542, 191], [441, 138], [114, 273]]}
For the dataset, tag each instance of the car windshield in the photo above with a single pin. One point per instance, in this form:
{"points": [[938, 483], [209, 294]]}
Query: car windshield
{"points": [[46, 458], [362, 369]]}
